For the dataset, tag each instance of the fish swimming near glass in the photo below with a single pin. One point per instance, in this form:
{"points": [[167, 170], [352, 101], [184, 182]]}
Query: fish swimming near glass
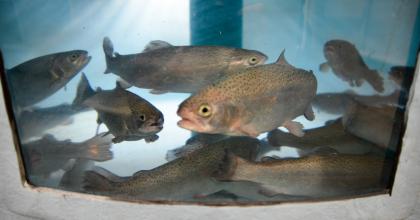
{"points": [[34, 122], [46, 155], [184, 178], [332, 135], [127, 116], [39, 78], [337, 103], [316, 176], [252, 101], [371, 123], [163, 67], [346, 63]]}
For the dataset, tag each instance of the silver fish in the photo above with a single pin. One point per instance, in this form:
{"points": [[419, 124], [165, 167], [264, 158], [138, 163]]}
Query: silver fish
{"points": [[127, 116], [312, 177], [370, 123], [34, 122], [48, 154], [185, 69], [184, 178], [337, 103], [347, 64], [39, 78], [332, 135]]}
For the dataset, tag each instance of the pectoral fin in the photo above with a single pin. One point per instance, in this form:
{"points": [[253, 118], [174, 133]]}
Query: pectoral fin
{"points": [[294, 128], [324, 67], [156, 44], [309, 113]]}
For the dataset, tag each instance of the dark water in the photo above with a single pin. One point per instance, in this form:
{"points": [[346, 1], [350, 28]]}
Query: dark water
{"points": [[384, 32]]}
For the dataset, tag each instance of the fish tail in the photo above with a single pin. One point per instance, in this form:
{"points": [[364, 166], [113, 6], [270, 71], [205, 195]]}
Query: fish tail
{"points": [[109, 53], [97, 148], [84, 91], [376, 80], [95, 182]]}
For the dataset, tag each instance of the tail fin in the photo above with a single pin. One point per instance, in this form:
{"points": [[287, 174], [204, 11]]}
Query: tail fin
{"points": [[109, 53], [94, 182], [83, 92], [97, 148], [374, 79]]}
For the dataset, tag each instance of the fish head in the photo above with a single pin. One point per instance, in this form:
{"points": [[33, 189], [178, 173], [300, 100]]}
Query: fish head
{"points": [[149, 120], [334, 49], [206, 114], [247, 58], [71, 62]]}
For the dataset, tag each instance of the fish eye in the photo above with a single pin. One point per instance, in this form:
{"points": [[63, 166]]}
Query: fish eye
{"points": [[204, 110], [142, 118], [74, 56], [253, 60]]}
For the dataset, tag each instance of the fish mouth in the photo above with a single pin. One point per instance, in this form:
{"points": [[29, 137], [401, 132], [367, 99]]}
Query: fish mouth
{"points": [[191, 123]]}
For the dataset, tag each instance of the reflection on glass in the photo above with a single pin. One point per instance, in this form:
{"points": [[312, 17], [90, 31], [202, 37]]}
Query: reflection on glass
{"points": [[269, 101]]}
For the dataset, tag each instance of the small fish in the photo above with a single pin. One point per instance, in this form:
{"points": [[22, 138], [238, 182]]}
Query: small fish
{"points": [[312, 177], [39, 78], [34, 122], [197, 141], [337, 103], [48, 154], [348, 65], [127, 116], [370, 123], [332, 135], [163, 68], [252, 101], [184, 178]]}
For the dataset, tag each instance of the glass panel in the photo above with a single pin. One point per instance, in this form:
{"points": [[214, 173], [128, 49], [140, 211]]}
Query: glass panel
{"points": [[213, 102]]}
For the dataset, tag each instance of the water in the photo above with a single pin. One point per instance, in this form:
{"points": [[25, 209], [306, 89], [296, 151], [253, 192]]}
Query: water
{"points": [[383, 31]]}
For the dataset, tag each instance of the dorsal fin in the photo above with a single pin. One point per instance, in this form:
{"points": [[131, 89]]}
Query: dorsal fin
{"points": [[156, 44], [282, 59]]}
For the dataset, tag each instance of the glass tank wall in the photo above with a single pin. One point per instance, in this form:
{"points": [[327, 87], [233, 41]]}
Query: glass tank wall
{"points": [[192, 101]]}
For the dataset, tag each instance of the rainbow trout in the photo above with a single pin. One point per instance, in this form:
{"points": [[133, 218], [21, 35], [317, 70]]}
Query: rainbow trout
{"points": [[252, 101], [163, 68]]}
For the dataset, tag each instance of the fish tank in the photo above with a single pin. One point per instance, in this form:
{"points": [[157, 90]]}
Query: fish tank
{"points": [[209, 102]]}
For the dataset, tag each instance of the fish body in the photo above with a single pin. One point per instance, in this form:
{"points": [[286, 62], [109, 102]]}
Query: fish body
{"points": [[39, 78], [332, 135], [346, 63], [185, 69], [337, 103], [252, 101], [34, 123], [127, 116], [373, 124], [181, 179], [48, 154], [313, 176]]}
